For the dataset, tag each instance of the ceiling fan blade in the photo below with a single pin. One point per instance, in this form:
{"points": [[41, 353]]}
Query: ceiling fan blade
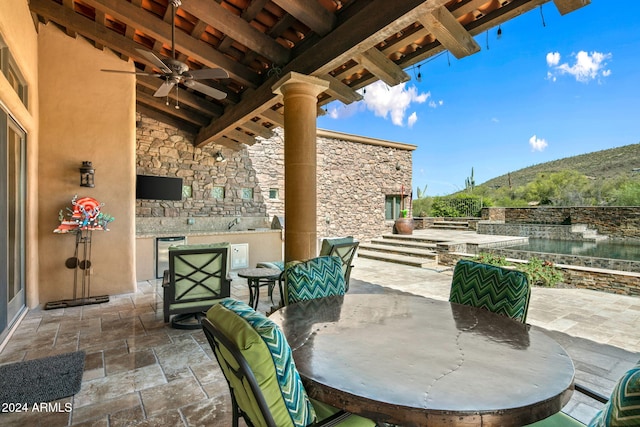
{"points": [[164, 89], [209, 73], [207, 90], [151, 57], [137, 73]]}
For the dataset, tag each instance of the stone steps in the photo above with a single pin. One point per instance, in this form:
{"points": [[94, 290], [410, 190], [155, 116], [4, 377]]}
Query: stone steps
{"points": [[401, 249], [451, 225]]}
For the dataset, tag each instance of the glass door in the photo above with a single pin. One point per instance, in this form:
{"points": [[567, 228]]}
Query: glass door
{"points": [[12, 220]]}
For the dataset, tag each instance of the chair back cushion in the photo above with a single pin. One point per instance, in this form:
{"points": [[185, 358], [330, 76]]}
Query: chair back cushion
{"points": [[496, 289], [345, 248], [198, 273], [316, 278], [265, 348], [623, 409]]}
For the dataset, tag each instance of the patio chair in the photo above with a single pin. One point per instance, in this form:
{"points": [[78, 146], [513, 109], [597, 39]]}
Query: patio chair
{"points": [[256, 360], [315, 278], [345, 248], [621, 409], [197, 278], [496, 289]]}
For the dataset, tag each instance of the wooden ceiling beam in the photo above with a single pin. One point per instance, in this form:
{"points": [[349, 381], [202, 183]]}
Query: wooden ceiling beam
{"points": [[361, 31], [341, 91], [568, 6], [99, 34], [166, 118], [273, 117], [194, 101], [449, 32], [310, 13], [159, 104], [229, 143], [238, 29], [382, 67], [257, 129], [160, 30], [240, 137]]}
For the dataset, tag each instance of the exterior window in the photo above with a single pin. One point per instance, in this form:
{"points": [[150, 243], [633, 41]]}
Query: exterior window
{"points": [[217, 193], [273, 193], [247, 193], [11, 72], [392, 207]]}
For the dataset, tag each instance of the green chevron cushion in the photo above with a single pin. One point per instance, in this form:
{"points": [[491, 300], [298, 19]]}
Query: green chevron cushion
{"points": [[264, 346], [496, 289], [316, 278], [623, 408]]}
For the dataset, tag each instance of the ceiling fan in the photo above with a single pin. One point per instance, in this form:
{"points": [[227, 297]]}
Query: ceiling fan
{"points": [[175, 72]]}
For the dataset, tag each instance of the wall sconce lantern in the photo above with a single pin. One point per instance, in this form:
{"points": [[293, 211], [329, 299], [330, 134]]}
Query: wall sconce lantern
{"points": [[86, 174], [220, 157]]}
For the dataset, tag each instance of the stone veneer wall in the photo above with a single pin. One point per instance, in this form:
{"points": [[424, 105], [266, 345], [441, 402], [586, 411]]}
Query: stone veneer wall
{"points": [[615, 222], [353, 178], [164, 150]]}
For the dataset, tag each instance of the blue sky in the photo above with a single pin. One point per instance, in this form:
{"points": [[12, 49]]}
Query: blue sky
{"points": [[538, 93]]}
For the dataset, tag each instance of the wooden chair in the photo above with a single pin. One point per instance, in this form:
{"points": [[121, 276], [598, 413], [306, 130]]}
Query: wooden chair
{"points": [[197, 278], [256, 360]]}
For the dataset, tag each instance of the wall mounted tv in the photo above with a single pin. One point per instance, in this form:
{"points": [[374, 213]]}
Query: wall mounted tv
{"points": [[158, 187]]}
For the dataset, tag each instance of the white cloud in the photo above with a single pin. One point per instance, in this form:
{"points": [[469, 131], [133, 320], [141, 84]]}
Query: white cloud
{"points": [[553, 59], [393, 101], [587, 66], [537, 144], [338, 110], [412, 119]]}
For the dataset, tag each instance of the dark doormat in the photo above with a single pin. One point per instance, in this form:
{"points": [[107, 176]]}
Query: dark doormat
{"points": [[42, 380]]}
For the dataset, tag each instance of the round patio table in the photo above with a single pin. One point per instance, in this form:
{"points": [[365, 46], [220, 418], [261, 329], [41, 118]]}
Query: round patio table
{"points": [[254, 277], [416, 361]]}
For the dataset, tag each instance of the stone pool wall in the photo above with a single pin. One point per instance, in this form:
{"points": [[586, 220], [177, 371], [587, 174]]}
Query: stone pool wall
{"points": [[618, 223]]}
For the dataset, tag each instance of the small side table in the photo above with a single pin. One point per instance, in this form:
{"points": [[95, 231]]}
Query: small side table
{"points": [[254, 276]]}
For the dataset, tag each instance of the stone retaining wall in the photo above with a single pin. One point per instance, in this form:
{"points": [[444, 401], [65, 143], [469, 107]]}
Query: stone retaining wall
{"points": [[536, 231], [615, 222], [597, 279]]}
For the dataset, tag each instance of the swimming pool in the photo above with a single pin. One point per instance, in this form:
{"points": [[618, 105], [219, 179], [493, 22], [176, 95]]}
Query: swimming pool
{"points": [[601, 249]]}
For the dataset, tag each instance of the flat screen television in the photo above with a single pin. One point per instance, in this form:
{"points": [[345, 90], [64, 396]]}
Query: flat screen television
{"points": [[158, 187]]}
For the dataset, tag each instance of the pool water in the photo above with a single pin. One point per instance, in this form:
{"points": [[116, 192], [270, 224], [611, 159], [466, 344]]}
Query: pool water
{"points": [[602, 249]]}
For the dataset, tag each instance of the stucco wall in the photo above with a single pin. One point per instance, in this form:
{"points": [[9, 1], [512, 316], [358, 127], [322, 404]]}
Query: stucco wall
{"points": [[18, 31], [85, 114]]}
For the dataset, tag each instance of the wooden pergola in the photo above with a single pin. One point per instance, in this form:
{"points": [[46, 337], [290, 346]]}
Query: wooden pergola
{"points": [[285, 59]]}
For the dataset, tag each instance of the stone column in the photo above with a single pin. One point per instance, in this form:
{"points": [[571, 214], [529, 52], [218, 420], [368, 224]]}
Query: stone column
{"points": [[300, 98]]}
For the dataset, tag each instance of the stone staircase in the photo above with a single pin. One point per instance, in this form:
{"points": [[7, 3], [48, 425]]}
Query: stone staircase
{"points": [[401, 249], [451, 224]]}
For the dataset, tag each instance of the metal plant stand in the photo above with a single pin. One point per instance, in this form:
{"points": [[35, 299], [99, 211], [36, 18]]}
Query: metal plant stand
{"points": [[81, 268]]}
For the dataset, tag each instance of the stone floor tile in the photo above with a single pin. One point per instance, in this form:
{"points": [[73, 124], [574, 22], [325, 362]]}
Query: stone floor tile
{"points": [[100, 407], [211, 412], [173, 395], [167, 419], [129, 361], [119, 384]]}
